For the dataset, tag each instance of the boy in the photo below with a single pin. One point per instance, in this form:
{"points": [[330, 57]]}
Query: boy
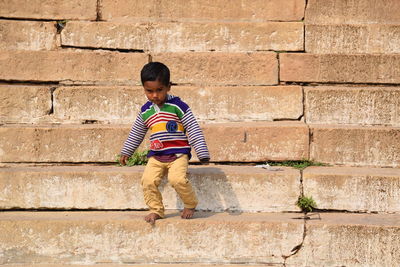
{"points": [[169, 119]]}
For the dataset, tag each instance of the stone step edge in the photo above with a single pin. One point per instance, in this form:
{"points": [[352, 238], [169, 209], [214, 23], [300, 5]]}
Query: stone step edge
{"points": [[173, 216]]}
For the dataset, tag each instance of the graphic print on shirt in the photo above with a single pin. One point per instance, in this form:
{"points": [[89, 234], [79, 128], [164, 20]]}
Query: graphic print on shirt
{"points": [[172, 126], [156, 145]]}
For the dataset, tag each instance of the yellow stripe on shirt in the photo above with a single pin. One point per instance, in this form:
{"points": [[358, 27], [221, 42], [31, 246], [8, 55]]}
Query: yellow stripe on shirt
{"points": [[162, 127]]}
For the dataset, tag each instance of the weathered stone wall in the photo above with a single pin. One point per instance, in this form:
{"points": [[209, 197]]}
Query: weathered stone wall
{"points": [[332, 66]]}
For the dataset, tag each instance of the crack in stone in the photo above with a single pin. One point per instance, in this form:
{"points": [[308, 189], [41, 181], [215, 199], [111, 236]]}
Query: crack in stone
{"points": [[52, 90], [28, 82], [98, 10], [297, 248], [26, 19], [121, 50]]}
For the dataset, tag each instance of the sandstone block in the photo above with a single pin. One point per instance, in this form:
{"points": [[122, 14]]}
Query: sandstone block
{"points": [[352, 105], [61, 143], [202, 68], [118, 104], [192, 10], [218, 188], [340, 68], [71, 66], [27, 35], [24, 104], [353, 189], [352, 39], [257, 141], [243, 103], [235, 103], [247, 142], [340, 239], [49, 9], [357, 146], [352, 12], [115, 237], [184, 37], [106, 35]]}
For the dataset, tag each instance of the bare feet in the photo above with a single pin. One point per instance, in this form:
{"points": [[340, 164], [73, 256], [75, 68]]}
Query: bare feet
{"points": [[187, 213], [152, 217]]}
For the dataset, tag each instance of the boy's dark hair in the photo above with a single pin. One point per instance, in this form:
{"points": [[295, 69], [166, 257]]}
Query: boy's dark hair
{"points": [[155, 71]]}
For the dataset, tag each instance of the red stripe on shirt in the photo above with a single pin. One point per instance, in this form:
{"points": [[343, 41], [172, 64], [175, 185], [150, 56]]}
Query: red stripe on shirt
{"points": [[175, 143]]}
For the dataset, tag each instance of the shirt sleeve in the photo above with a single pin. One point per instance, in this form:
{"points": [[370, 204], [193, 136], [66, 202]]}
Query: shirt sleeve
{"points": [[135, 137], [195, 135]]}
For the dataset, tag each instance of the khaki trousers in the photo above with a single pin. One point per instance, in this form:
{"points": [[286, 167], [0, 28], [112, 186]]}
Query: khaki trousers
{"points": [[177, 177]]}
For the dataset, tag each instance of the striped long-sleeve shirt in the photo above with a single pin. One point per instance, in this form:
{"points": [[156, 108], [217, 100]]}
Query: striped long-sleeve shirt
{"points": [[174, 130]]}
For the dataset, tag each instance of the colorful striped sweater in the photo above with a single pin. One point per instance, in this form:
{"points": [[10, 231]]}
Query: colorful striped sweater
{"points": [[168, 126]]}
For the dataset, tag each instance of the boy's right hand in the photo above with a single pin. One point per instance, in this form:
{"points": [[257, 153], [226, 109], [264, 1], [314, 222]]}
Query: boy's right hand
{"points": [[123, 159]]}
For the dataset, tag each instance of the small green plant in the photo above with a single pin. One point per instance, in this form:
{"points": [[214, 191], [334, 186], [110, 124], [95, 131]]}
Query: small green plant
{"points": [[138, 158], [298, 164], [306, 204]]}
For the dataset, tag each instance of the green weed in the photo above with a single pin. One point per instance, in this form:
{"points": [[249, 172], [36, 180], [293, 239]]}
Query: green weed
{"points": [[138, 158], [306, 204], [298, 164]]}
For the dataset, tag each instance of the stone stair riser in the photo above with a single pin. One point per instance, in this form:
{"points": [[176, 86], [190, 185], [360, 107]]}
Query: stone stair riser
{"points": [[251, 141], [219, 188]]}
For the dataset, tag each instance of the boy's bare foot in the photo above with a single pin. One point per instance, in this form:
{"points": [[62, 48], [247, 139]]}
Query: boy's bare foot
{"points": [[187, 213], [152, 217]]}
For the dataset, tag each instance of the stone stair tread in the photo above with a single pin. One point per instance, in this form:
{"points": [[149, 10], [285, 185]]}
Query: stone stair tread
{"points": [[172, 216], [219, 238]]}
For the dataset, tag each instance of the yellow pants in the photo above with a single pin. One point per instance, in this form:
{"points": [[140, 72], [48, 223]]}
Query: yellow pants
{"points": [[177, 177]]}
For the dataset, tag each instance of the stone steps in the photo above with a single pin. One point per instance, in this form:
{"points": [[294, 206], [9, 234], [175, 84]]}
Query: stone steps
{"points": [[242, 141], [330, 105], [218, 187], [218, 238], [239, 65], [120, 104], [234, 142]]}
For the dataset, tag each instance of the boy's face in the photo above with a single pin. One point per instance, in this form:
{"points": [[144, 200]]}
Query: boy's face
{"points": [[156, 92]]}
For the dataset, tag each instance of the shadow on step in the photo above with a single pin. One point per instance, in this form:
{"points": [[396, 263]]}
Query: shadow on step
{"points": [[214, 191]]}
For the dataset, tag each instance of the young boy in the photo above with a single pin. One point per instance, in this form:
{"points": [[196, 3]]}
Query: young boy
{"points": [[169, 119]]}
